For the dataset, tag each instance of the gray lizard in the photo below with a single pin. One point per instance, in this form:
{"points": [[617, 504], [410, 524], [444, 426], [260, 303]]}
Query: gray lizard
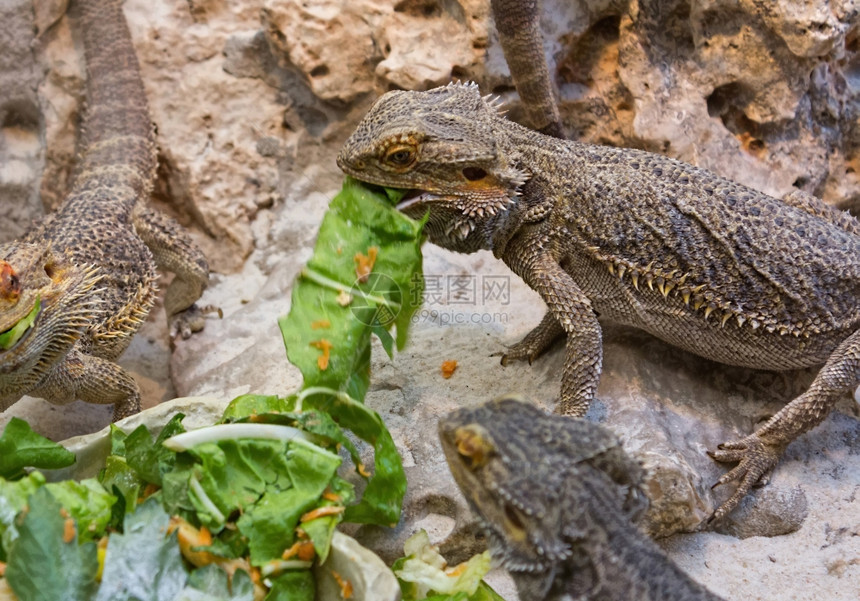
{"points": [[557, 499], [76, 288], [704, 263]]}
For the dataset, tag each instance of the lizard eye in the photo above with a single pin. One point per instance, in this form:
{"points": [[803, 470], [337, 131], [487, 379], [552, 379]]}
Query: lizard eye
{"points": [[400, 156], [473, 446], [512, 515], [10, 285]]}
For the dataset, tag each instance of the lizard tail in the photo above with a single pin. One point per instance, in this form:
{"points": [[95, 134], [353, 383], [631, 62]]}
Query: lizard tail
{"points": [[118, 138], [518, 24]]}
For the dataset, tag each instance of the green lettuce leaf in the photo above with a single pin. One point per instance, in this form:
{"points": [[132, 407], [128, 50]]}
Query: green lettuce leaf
{"points": [[143, 563], [381, 501], [249, 407], [296, 585], [326, 413], [423, 574], [235, 473], [87, 502], [148, 457], [123, 481], [270, 523], [13, 498], [210, 583], [16, 332], [43, 564], [20, 447], [331, 303]]}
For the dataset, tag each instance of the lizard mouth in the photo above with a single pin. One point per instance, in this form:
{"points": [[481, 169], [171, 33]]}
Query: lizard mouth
{"points": [[12, 336], [412, 198]]}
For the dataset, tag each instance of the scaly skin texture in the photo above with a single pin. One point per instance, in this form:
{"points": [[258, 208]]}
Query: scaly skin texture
{"points": [[557, 499], [699, 261], [518, 23], [92, 264]]}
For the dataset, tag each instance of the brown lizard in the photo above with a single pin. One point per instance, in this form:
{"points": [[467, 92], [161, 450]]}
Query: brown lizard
{"points": [[704, 263], [558, 499], [76, 288]]}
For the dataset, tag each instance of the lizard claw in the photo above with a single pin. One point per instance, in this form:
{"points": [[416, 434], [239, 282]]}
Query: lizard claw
{"points": [[518, 352], [757, 460], [191, 320]]}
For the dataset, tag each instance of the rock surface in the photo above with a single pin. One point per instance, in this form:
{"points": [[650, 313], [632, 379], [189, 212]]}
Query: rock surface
{"points": [[252, 100], [21, 120]]}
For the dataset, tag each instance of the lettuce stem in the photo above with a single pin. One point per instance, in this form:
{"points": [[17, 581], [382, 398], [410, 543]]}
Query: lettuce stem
{"points": [[204, 499], [192, 438], [327, 282]]}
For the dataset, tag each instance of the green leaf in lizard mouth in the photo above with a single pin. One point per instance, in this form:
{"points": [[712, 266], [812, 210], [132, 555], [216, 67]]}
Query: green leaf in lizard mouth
{"points": [[16, 332]]}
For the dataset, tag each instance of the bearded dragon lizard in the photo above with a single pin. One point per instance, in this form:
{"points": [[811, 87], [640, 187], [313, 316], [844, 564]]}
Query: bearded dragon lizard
{"points": [[701, 262], [557, 499], [76, 288]]}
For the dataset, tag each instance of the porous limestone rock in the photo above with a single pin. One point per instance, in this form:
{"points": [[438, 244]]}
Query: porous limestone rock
{"points": [[21, 121]]}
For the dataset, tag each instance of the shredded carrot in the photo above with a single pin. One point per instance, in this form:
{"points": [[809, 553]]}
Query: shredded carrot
{"points": [[319, 324], [364, 264], [330, 496], [150, 489], [68, 530], [448, 368], [322, 511], [457, 570], [325, 346], [363, 470], [63, 513], [205, 536], [304, 550], [190, 537], [345, 585], [2, 568]]}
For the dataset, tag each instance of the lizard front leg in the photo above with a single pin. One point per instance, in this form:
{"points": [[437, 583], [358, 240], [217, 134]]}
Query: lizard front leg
{"points": [[92, 380], [572, 310], [173, 250], [536, 342], [759, 452]]}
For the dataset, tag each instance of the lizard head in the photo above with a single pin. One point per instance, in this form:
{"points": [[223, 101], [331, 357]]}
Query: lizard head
{"points": [[530, 478], [39, 292], [509, 480], [440, 145]]}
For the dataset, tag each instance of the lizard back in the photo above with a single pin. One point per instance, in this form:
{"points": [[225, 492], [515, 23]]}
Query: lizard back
{"points": [[720, 246]]}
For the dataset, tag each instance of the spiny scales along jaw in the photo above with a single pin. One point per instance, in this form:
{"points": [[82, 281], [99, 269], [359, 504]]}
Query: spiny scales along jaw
{"points": [[440, 145], [30, 276], [523, 528]]}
